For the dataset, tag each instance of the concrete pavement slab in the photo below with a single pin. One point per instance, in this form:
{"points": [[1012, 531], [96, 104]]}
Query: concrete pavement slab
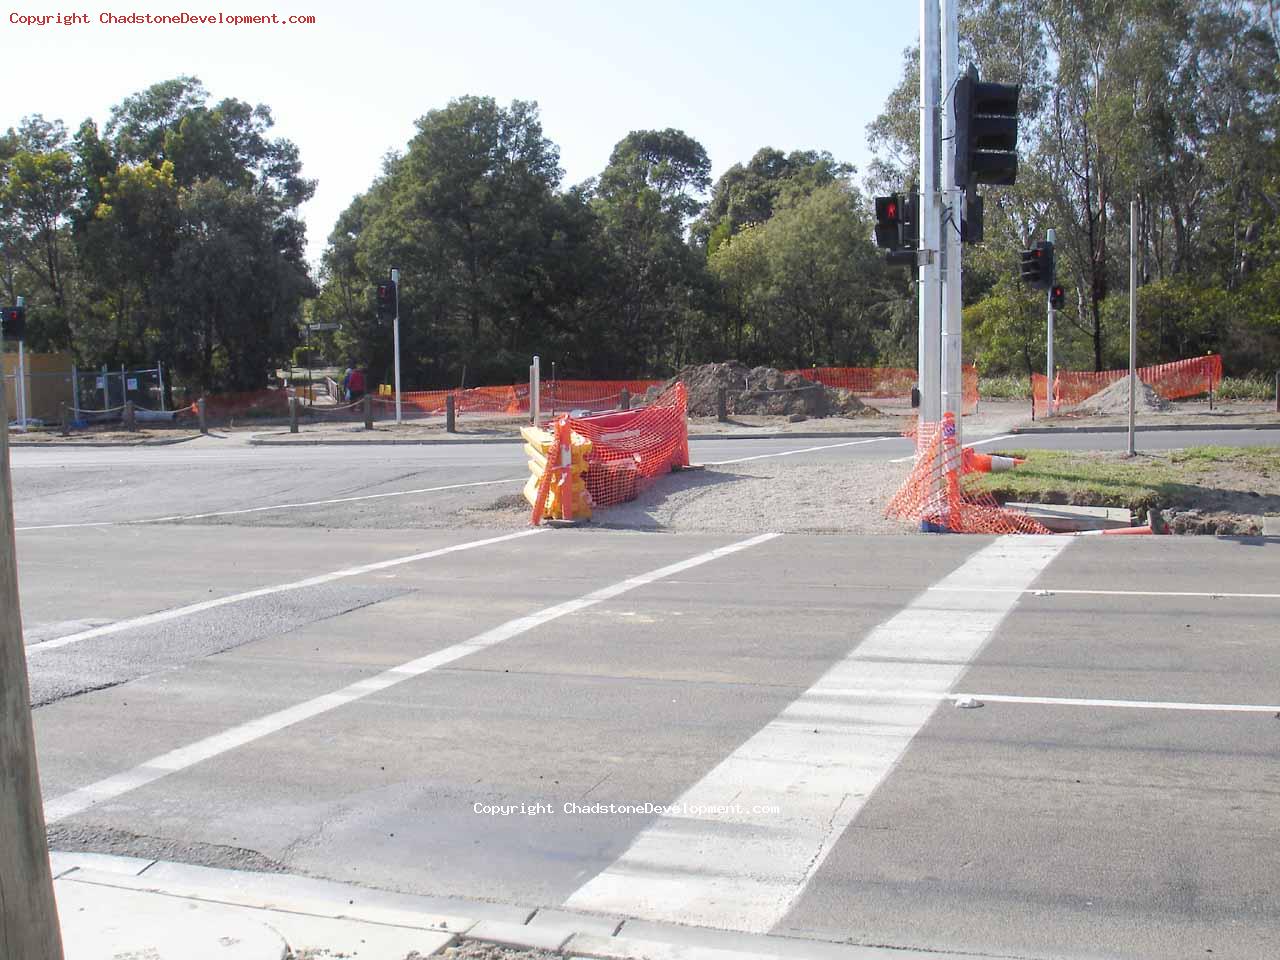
{"points": [[107, 923]]}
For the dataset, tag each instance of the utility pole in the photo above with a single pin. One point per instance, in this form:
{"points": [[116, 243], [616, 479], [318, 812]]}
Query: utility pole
{"points": [[930, 285], [1133, 319], [952, 305], [1048, 362], [395, 336], [28, 913]]}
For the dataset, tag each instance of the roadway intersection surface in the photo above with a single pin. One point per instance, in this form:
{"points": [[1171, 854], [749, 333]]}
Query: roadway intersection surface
{"points": [[1016, 747]]}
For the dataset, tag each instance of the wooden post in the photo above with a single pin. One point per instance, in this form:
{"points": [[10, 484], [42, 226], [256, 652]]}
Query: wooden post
{"points": [[722, 405], [293, 414], [66, 421], [204, 423], [28, 913], [450, 419], [368, 412], [624, 399], [130, 423]]}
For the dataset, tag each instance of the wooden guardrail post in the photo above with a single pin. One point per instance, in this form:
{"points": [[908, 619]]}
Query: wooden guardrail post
{"points": [[368, 412], [293, 414], [28, 914], [130, 423], [624, 399], [65, 419], [200, 410], [450, 416], [722, 405]]}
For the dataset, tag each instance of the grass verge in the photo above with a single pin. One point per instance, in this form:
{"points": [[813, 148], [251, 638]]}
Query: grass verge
{"points": [[1242, 480]]}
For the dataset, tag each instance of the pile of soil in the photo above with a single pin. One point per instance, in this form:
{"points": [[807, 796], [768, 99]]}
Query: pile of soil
{"points": [[760, 390], [1113, 400]]}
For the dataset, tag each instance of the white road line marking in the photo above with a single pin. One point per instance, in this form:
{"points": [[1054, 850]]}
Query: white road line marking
{"points": [[78, 801], [174, 613], [1126, 704], [976, 443], [790, 453], [274, 506], [817, 763], [1051, 591]]}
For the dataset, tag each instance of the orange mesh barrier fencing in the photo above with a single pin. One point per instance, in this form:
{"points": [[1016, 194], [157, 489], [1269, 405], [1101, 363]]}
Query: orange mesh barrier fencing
{"points": [[631, 447], [261, 402], [596, 395], [1176, 380], [938, 492], [885, 383]]}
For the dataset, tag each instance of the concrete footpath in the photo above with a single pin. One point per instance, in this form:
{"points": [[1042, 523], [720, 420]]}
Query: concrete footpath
{"points": [[122, 908]]}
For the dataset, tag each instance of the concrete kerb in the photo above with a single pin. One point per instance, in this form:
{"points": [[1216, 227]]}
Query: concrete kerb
{"points": [[267, 441], [63, 444], [331, 917], [1147, 428]]}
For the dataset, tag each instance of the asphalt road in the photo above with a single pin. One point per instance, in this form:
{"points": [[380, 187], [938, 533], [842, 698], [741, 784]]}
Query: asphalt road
{"points": [[398, 486], [740, 733]]}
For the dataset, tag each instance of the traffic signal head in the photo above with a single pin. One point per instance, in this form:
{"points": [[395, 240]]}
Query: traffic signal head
{"points": [[889, 218], [13, 323], [1057, 297], [1037, 266], [986, 131], [387, 299], [971, 220]]}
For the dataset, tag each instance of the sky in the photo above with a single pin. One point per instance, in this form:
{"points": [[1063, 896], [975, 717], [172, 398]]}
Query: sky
{"points": [[347, 88]]}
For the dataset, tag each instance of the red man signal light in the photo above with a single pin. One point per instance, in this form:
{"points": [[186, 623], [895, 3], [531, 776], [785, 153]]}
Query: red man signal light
{"points": [[1057, 297], [13, 323]]}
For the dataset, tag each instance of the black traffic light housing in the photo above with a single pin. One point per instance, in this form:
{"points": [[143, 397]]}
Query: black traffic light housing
{"points": [[1057, 297], [1037, 266], [986, 131], [898, 228], [13, 323], [386, 299], [971, 219]]}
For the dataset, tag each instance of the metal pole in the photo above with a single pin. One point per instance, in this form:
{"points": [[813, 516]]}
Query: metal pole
{"points": [[106, 393], [28, 914], [952, 321], [1133, 318], [1048, 361], [395, 280], [22, 386], [535, 389], [75, 391], [160, 380], [930, 219]]}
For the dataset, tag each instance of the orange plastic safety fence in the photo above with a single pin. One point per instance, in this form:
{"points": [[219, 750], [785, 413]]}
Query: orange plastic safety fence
{"points": [[939, 490], [270, 402], [630, 447], [1172, 381], [885, 383]]}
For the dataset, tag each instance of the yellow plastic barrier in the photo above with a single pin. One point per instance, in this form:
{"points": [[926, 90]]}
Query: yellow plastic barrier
{"points": [[537, 447]]}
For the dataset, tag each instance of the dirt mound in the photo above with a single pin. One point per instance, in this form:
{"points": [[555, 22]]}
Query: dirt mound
{"points": [[1114, 400], [759, 390]]}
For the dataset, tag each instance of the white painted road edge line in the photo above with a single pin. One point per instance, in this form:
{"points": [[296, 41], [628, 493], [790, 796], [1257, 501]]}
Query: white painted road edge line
{"points": [[1123, 704], [154, 769], [790, 453], [1051, 591], [173, 613], [274, 506], [715, 858], [976, 443]]}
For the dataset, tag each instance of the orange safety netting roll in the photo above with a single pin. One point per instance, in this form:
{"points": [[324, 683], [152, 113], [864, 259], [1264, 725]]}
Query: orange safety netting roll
{"points": [[629, 447], [885, 383], [1176, 380], [938, 492]]}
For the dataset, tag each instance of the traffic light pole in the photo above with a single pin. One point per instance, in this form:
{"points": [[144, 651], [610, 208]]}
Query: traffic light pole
{"points": [[930, 286], [395, 336], [28, 913], [1048, 363], [952, 372]]}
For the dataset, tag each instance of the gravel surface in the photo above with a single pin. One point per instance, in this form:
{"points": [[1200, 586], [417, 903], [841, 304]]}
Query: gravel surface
{"points": [[753, 497]]}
